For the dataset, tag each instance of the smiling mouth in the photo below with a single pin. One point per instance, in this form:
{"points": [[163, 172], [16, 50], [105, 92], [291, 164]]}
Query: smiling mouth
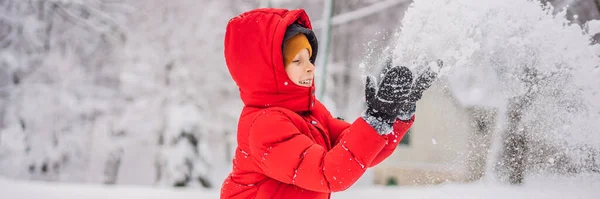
{"points": [[305, 82]]}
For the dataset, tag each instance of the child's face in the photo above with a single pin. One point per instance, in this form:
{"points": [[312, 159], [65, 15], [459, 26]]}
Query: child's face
{"points": [[300, 70]]}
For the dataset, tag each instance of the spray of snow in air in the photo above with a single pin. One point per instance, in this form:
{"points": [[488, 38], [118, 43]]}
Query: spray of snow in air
{"points": [[498, 51]]}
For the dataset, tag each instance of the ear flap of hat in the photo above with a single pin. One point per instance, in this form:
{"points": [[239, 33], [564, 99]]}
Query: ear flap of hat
{"points": [[296, 28]]}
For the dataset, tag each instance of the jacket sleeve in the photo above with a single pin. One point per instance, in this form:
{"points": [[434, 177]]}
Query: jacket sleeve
{"points": [[285, 154], [336, 128], [399, 130]]}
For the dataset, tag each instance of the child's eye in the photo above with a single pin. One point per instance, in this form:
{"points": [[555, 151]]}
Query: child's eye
{"points": [[296, 61]]}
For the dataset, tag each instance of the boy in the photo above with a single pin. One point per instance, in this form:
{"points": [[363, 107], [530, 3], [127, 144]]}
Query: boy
{"points": [[289, 145]]}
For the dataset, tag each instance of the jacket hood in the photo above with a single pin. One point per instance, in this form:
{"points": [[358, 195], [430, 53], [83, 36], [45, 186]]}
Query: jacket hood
{"points": [[253, 53]]}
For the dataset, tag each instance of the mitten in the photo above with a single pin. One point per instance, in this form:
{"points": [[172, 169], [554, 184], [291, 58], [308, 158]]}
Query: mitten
{"points": [[385, 101], [422, 83]]}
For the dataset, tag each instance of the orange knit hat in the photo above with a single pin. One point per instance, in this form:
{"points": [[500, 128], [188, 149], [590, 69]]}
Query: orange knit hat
{"points": [[293, 45]]}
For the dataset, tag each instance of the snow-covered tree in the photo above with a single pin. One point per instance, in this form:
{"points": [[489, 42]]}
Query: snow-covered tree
{"points": [[125, 92], [174, 63], [53, 54]]}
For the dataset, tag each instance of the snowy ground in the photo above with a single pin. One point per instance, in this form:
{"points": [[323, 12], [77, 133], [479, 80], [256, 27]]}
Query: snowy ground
{"points": [[585, 186]]}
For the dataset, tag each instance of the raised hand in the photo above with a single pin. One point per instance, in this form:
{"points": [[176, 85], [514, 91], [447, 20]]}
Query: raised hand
{"points": [[385, 101], [424, 81]]}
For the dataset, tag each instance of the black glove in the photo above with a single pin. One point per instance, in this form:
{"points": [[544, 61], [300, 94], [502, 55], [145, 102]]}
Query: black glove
{"points": [[385, 102], [422, 83]]}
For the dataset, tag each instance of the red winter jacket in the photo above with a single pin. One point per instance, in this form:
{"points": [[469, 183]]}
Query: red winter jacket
{"points": [[289, 145]]}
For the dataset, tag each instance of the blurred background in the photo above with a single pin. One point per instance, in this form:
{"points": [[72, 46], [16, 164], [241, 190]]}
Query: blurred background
{"points": [[135, 92]]}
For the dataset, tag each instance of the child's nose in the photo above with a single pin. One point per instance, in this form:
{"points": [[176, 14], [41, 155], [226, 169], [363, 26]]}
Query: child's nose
{"points": [[310, 68]]}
